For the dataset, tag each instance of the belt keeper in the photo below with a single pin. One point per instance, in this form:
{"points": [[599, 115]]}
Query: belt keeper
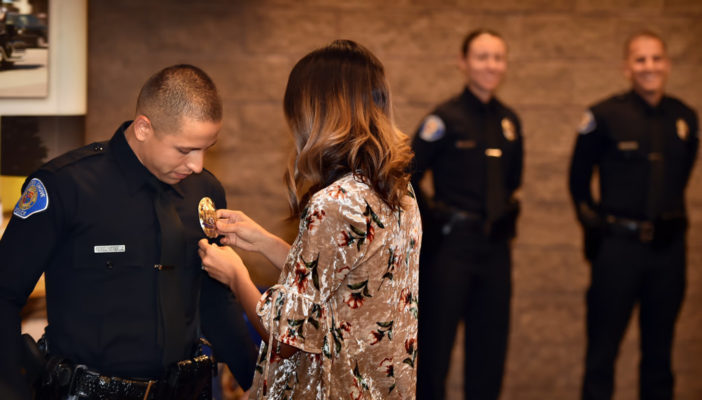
{"points": [[148, 389]]}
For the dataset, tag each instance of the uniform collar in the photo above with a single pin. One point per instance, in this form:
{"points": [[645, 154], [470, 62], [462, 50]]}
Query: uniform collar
{"points": [[136, 174], [471, 100], [637, 99]]}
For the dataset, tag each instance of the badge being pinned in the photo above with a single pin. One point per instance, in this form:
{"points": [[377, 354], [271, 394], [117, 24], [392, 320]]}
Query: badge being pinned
{"points": [[433, 129], [682, 128], [34, 199], [587, 123], [207, 214], [508, 129]]}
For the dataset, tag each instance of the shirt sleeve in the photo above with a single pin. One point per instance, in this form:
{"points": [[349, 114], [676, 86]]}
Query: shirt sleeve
{"points": [[335, 234], [26, 249], [427, 145], [586, 154], [515, 174]]}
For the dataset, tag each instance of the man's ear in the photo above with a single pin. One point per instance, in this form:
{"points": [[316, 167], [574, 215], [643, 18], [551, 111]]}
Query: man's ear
{"points": [[142, 127]]}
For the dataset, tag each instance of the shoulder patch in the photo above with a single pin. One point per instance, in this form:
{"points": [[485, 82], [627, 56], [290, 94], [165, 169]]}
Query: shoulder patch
{"points": [[587, 123], [433, 129], [34, 199]]}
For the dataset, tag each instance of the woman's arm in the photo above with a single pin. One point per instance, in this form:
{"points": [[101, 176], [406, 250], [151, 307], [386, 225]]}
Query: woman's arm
{"points": [[223, 264], [242, 232]]}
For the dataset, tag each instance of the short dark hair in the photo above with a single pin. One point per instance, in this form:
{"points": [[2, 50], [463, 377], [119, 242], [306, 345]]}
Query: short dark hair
{"points": [[642, 33], [474, 34], [176, 92]]}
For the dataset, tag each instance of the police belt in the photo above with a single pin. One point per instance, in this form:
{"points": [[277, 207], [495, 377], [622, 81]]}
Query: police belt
{"points": [[644, 230], [188, 379]]}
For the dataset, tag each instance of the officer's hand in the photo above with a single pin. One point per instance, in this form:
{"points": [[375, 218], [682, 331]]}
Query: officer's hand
{"points": [[241, 231], [222, 263], [589, 218]]}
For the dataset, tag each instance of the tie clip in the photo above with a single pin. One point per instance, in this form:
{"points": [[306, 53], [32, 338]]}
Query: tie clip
{"points": [[162, 267]]}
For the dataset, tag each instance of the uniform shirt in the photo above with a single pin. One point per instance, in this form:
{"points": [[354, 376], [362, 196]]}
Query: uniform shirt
{"points": [[617, 136], [453, 142], [347, 298], [98, 241]]}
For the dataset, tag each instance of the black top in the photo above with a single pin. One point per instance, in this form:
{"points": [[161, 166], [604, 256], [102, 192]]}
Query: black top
{"points": [[98, 241], [630, 142], [458, 153]]}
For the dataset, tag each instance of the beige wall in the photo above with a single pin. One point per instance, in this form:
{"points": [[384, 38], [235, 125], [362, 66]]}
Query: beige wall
{"points": [[564, 55]]}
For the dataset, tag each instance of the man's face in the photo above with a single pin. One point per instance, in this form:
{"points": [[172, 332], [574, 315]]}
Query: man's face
{"points": [[172, 156], [647, 66], [485, 64]]}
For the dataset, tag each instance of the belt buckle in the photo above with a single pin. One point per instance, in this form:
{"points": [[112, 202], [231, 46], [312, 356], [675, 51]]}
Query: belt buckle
{"points": [[74, 378], [646, 231]]}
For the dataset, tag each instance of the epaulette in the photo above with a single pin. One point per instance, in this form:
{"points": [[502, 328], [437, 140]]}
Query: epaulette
{"points": [[73, 156]]}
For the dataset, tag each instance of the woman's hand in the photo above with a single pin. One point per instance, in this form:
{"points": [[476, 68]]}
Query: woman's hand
{"points": [[222, 263], [242, 232]]}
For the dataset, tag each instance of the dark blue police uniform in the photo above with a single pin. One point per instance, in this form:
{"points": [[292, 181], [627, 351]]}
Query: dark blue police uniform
{"points": [[475, 153], [634, 233], [88, 222]]}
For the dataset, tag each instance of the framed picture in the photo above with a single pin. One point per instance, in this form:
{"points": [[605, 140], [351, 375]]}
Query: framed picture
{"points": [[24, 48]]}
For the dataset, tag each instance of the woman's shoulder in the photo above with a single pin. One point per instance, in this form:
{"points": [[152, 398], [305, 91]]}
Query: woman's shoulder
{"points": [[349, 195]]}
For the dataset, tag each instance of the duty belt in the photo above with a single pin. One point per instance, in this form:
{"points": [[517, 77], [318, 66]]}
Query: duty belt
{"points": [[189, 379]]}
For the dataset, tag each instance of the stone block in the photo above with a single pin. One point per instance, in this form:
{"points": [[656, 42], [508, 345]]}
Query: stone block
{"points": [[429, 34], [543, 366], [288, 30], [621, 6], [546, 83], [501, 6], [549, 133], [571, 37], [596, 81], [685, 7], [253, 78], [426, 82], [546, 181], [548, 224], [556, 320], [546, 271]]}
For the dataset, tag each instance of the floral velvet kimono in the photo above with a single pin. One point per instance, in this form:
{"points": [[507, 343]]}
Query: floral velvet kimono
{"points": [[347, 298]]}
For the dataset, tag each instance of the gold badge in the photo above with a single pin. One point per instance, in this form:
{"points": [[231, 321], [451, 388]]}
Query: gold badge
{"points": [[683, 129], [208, 216], [508, 129]]}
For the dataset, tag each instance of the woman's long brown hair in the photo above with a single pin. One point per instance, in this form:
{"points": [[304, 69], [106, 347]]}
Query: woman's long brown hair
{"points": [[337, 104]]}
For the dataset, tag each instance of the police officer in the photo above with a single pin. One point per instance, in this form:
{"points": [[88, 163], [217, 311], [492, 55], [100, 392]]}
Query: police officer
{"points": [[114, 226], [643, 144], [472, 143]]}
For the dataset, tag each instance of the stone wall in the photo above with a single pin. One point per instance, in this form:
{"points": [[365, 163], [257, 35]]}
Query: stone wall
{"points": [[564, 55]]}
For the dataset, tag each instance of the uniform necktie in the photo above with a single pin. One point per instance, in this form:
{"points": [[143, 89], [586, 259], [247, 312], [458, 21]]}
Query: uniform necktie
{"points": [[169, 270], [656, 169], [495, 200]]}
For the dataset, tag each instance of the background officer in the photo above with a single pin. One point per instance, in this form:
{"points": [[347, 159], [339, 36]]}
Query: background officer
{"points": [[472, 143], [644, 144], [114, 226]]}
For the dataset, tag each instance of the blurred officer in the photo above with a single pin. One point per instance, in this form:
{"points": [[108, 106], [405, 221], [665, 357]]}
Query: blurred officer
{"points": [[472, 143], [114, 225], [643, 144]]}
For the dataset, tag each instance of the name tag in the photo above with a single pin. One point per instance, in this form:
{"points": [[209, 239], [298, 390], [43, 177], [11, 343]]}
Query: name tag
{"points": [[493, 153], [110, 248], [629, 145]]}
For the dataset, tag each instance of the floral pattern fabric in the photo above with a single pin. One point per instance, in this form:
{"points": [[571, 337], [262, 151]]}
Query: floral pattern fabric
{"points": [[346, 297]]}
